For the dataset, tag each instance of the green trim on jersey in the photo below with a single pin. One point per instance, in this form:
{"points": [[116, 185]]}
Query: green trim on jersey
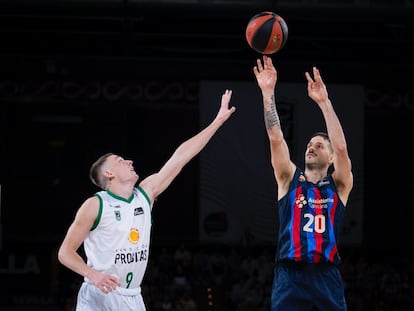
{"points": [[129, 200], [147, 198], [145, 195], [98, 217]]}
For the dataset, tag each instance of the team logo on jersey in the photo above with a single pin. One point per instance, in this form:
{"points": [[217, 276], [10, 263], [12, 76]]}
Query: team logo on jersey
{"points": [[117, 215], [323, 182], [133, 236], [138, 211], [302, 178], [300, 201]]}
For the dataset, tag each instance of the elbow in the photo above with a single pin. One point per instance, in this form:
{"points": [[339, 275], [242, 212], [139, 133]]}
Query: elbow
{"points": [[341, 148], [275, 138], [61, 255]]}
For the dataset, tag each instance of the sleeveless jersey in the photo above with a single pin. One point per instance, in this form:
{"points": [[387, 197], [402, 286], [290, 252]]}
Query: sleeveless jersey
{"points": [[118, 243], [310, 217]]}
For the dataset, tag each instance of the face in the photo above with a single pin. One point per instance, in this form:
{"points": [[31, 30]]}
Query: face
{"points": [[120, 169], [318, 153]]}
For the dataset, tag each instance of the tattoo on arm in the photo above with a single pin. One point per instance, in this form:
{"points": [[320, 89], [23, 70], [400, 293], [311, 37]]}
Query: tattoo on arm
{"points": [[271, 116]]}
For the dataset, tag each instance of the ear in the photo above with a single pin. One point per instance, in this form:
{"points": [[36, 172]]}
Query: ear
{"points": [[331, 158], [108, 174]]}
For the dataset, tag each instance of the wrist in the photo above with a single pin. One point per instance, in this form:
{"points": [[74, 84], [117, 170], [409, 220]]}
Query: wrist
{"points": [[269, 93]]}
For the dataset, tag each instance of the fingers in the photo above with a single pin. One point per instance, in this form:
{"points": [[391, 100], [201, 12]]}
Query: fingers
{"points": [[259, 66], [316, 75], [308, 77], [115, 281], [108, 284], [311, 83], [268, 61], [225, 98], [107, 288], [263, 65]]}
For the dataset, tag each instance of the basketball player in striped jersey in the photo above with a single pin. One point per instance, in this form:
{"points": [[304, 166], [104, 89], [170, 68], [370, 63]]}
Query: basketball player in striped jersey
{"points": [[114, 225], [311, 203]]}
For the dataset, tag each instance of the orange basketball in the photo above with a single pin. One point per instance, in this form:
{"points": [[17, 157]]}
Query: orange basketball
{"points": [[266, 32]]}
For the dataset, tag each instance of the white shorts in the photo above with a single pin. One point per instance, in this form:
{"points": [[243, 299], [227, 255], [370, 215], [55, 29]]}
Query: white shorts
{"points": [[91, 298]]}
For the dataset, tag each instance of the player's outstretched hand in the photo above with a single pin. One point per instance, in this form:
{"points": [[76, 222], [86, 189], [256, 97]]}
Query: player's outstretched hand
{"points": [[225, 111]]}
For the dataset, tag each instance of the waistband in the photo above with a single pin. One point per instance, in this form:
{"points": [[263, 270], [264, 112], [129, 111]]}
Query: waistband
{"points": [[128, 291], [305, 265], [122, 290]]}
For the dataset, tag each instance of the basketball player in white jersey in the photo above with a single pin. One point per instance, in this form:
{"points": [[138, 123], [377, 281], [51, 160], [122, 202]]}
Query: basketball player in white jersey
{"points": [[114, 225]]}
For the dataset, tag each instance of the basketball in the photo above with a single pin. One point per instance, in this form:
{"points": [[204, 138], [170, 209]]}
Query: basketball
{"points": [[266, 32]]}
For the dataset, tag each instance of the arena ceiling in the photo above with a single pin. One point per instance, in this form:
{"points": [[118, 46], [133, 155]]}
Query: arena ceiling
{"points": [[357, 41]]}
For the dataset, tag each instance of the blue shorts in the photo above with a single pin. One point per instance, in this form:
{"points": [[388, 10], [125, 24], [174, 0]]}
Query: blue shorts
{"points": [[306, 287]]}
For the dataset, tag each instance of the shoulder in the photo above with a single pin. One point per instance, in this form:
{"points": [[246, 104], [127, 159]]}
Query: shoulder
{"points": [[148, 186], [288, 181], [88, 213], [90, 206], [297, 176], [343, 186], [140, 192], [92, 200]]}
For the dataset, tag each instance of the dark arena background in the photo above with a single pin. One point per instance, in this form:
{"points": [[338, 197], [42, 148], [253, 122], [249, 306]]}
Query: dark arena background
{"points": [[80, 78]]}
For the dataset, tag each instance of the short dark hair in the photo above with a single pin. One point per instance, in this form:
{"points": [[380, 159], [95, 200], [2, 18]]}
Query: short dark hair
{"points": [[95, 173], [325, 136], [322, 134]]}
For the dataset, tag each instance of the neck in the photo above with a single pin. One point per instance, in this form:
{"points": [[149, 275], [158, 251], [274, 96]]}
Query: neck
{"points": [[122, 190], [315, 175]]}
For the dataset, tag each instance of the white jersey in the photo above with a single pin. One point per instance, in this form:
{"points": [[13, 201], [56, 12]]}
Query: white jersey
{"points": [[118, 243]]}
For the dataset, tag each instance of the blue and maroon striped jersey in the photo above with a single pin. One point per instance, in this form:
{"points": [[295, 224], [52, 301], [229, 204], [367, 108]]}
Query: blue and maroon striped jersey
{"points": [[310, 217]]}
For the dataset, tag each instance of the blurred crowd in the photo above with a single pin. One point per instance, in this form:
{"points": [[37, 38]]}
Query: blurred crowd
{"points": [[235, 278]]}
